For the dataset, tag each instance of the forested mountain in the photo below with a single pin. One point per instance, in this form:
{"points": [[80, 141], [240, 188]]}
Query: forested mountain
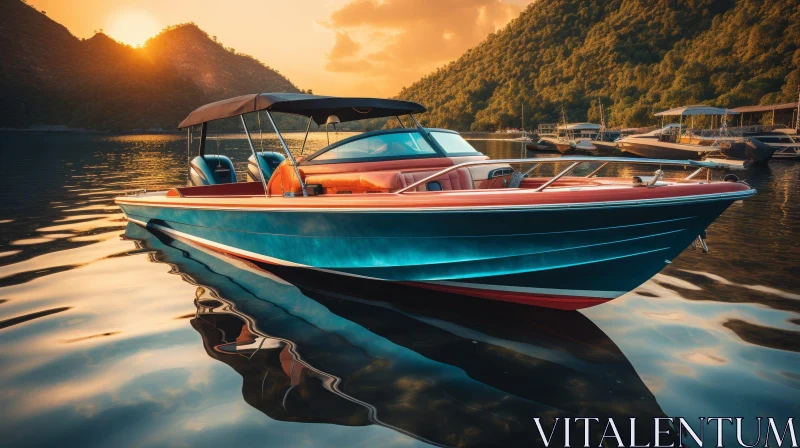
{"points": [[50, 77], [636, 56]]}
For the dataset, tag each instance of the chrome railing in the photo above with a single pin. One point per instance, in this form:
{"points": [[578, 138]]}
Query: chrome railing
{"points": [[576, 161]]}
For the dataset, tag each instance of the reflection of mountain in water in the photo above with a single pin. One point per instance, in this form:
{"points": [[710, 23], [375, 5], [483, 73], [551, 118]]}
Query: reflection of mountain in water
{"points": [[461, 372]]}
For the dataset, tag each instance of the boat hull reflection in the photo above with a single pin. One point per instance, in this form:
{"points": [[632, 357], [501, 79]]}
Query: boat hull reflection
{"points": [[318, 349]]}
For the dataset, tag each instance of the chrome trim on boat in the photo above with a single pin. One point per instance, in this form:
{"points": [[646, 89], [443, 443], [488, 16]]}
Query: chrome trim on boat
{"points": [[288, 154], [308, 128], [255, 156], [695, 173], [657, 175], [577, 159], [558, 176], [595, 171], [733, 195]]}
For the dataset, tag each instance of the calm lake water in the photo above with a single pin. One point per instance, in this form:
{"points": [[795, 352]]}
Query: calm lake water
{"points": [[117, 337]]}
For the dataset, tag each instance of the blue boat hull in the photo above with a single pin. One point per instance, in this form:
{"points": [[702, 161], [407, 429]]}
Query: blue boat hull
{"points": [[562, 257]]}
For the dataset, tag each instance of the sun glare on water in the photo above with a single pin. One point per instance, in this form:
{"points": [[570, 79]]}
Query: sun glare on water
{"points": [[132, 27]]}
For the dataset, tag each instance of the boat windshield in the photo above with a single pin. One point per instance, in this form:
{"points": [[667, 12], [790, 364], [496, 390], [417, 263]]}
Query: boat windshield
{"points": [[396, 144], [452, 143]]}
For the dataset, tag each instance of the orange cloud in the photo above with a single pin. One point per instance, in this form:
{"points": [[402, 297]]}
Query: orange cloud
{"points": [[343, 47], [395, 42], [343, 57]]}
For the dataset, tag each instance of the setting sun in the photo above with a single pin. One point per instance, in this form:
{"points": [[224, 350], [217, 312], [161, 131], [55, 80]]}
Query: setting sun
{"points": [[132, 27]]}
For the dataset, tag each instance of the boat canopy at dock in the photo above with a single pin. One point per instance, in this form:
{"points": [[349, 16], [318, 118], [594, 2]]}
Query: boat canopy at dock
{"points": [[766, 108], [696, 110], [784, 114], [317, 107]]}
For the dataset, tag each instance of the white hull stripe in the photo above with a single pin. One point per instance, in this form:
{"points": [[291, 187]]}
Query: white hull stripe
{"points": [[242, 252], [476, 286], [524, 207]]}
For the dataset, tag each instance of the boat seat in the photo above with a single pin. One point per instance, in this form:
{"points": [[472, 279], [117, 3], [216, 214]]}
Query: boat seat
{"points": [[269, 162], [387, 181], [211, 170], [459, 179]]}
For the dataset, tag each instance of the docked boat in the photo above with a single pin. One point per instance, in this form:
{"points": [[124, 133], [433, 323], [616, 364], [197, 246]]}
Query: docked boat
{"points": [[578, 138], [782, 132], [666, 142], [784, 142], [664, 147], [731, 146], [422, 207], [606, 148], [571, 138], [547, 133], [673, 141], [605, 142]]}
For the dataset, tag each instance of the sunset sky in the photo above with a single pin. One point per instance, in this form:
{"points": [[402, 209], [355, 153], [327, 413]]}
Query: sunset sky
{"points": [[335, 47]]}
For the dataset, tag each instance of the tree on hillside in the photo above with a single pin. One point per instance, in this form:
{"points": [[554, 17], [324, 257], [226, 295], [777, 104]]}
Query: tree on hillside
{"points": [[638, 57]]}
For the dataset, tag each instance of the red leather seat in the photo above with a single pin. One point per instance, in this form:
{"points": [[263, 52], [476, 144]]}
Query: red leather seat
{"points": [[459, 179]]}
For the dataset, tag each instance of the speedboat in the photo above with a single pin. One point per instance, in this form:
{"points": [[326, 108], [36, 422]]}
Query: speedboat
{"points": [[784, 142], [421, 207], [666, 142], [732, 146]]}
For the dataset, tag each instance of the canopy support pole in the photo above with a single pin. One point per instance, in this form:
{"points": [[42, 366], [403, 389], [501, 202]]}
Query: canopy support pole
{"points": [[203, 135], [415, 121], [427, 136], [288, 153], [400, 121], [188, 155], [797, 122], [308, 128], [255, 157]]}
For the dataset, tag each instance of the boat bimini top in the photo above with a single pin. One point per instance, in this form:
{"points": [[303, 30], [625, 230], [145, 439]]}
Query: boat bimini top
{"points": [[696, 110], [320, 109], [316, 107]]}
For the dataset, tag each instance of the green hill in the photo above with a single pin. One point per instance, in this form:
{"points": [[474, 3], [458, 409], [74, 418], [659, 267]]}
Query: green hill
{"points": [[50, 77], [638, 57]]}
